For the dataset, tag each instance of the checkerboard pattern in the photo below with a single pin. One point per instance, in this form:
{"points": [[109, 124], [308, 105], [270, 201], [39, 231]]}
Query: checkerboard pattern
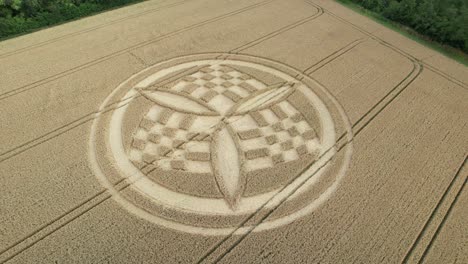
{"points": [[219, 86], [173, 141], [275, 135]]}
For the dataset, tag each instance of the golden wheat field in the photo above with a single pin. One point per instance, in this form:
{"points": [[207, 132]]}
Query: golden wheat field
{"points": [[249, 131]]}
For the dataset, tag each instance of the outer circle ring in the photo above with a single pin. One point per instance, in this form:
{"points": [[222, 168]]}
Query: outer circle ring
{"points": [[214, 206], [224, 230]]}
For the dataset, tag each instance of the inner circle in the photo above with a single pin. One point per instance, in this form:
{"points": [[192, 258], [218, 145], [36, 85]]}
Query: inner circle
{"points": [[210, 206]]}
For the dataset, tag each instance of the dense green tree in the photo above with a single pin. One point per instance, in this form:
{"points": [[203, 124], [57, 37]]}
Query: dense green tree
{"points": [[19, 16], [30, 7], [393, 10], [407, 10], [443, 21]]}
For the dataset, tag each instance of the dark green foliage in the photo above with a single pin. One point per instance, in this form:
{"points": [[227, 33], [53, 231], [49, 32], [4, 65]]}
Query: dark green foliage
{"points": [[445, 21], [21, 16]]}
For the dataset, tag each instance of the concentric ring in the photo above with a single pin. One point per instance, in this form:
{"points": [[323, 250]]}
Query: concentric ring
{"points": [[171, 199]]}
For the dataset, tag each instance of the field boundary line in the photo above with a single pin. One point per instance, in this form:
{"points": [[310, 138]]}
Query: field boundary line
{"points": [[421, 65], [421, 68], [94, 115], [403, 86], [79, 32], [389, 97], [90, 115], [383, 42], [438, 210], [210, 254], [123, 51], [323, 62], [339, 144], [61, 130], [442, 224], [279, 31], [62, 220], [68, 221], [445, 75]]}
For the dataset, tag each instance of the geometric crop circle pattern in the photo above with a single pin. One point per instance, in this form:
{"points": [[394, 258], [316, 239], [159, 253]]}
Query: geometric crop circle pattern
{"points": [[197, 144]]}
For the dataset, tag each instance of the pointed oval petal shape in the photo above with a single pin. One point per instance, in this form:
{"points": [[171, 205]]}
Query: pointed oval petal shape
{"points": [[227, 164], [263, 99], [178, 101]]}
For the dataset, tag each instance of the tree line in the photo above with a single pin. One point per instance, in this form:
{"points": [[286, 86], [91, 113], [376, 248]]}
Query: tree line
{"points": [[445, 21], [21, 16]]}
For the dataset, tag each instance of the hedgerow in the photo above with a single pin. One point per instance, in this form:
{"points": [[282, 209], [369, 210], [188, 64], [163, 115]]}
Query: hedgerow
{"points": [[22, 16], [445, 21]]}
